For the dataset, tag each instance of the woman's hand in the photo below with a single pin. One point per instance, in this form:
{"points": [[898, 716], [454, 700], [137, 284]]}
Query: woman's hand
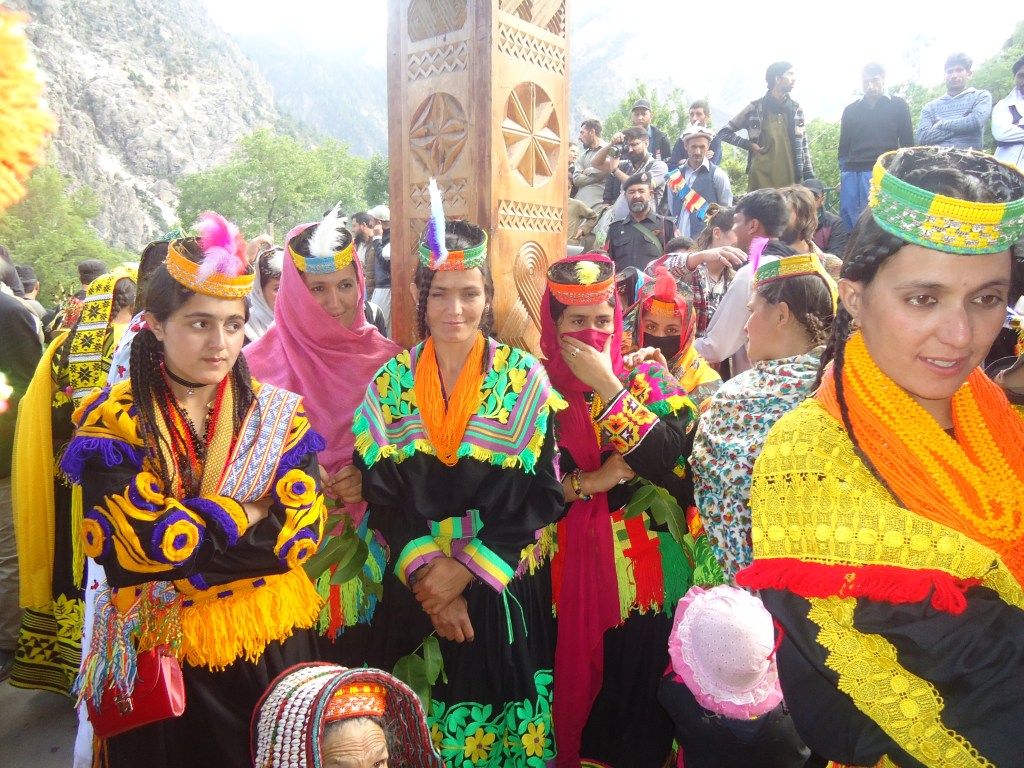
{"points": [[614, 471], [453, 622], [346, 485], [591, 367], [257, 510], [643, 355], [440, 582]]}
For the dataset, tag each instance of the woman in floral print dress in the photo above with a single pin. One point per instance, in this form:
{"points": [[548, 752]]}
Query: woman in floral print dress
{"points": [[791, 312]]}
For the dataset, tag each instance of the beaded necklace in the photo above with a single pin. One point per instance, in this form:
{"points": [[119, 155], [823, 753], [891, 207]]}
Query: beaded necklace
{"points": [[973, 483]]}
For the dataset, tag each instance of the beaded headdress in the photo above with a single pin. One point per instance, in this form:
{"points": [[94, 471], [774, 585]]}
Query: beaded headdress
{"points": [[594, 282], [357, 700], [289, 721], [434, 253], [324, 256], [946, 223], [224, 271], [795, 266]]}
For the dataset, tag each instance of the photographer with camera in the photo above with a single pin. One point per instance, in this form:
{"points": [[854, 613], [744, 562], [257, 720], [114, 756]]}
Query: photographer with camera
{"points": [[624, 160]]}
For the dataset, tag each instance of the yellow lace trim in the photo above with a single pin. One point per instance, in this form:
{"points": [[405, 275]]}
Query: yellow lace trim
{"points": [[814, 500], [903, 705]]}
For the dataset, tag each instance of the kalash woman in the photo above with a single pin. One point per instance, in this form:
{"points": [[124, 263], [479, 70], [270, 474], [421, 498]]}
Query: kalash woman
{"points": [[613, 577], [791, 313], [457, 452], [202, 501], [263, 296], [325, 716], [662, 326], [47, 508], [887, 525], [322, 346]]}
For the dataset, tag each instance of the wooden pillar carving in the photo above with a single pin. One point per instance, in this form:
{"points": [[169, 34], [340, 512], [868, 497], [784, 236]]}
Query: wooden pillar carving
{"points": [[478, 94]]}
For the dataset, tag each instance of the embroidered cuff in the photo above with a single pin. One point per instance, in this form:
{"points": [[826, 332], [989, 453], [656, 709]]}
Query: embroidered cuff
{"points": [[416, 554], [485, 565], [625, 422], [225, 512]]}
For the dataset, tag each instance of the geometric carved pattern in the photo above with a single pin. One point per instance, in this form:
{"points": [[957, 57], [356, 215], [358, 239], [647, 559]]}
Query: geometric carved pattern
{"points": [[530, 273], [547, 14], [438, 61], [530, 130], [432, 18], [453, 194], [527, 217], [437, 135], [533, 50]]}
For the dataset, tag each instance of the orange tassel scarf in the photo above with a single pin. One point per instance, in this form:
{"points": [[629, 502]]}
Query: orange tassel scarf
{"points": [[446, 426], [973, 484]]}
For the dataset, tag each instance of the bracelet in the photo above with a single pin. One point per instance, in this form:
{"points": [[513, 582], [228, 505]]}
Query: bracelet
{"points": [[574, 480]]}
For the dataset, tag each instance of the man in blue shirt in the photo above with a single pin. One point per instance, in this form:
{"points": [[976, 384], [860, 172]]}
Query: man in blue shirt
{"points": [[871, 126], [958, 118]]}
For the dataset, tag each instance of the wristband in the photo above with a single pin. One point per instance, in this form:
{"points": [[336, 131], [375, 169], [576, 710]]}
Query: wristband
{"points": [[574, 480]]}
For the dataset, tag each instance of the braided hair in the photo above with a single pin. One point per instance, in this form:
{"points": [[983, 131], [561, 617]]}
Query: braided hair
{"points": [[459, 235], [952, 173], [809, 298], [150, 391]]}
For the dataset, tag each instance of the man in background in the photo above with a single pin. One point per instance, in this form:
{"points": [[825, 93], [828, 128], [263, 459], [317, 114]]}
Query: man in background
{"points": [[30, 285], [958, 118], [831, 235], [382, 261], [871, 126], [620, 167], [588, 180], [703, 177], [776, 142], [640, 237], [1008, 120], [88, 271]]}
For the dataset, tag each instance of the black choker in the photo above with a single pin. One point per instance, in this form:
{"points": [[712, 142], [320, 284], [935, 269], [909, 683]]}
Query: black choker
{"points": [[189, 385]]}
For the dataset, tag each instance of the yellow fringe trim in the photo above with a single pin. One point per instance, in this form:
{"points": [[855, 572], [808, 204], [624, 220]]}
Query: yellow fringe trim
{"points": [[535, 555], [77, 545], [219, 631]]}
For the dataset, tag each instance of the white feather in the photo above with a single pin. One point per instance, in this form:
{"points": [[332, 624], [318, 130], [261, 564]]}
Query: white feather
{"points": [[324, 240], [437, 214]]}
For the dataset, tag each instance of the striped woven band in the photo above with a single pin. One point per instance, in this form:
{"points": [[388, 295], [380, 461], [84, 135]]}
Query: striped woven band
{"points": [[323, 265], [186, 272], [795, 266], [468, 258], [939, 222], [357, 700]]}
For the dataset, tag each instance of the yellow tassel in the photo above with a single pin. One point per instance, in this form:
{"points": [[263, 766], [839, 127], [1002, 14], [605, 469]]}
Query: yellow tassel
{"points": [[535, 555], [77, 548], [217, 632]]}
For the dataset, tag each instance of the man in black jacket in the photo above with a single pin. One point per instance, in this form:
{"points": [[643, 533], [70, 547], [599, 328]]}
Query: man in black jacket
{"points": [[640, 237], [871, 126]]}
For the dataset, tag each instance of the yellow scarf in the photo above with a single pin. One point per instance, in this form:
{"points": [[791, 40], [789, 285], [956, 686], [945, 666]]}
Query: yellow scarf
{"points": [[32, 484]]}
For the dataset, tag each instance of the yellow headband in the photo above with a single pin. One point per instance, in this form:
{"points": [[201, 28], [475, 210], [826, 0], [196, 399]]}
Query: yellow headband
{"points": [[186, 272]]}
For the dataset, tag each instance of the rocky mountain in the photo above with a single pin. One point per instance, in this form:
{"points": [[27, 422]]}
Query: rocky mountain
{"points": [[145, 91]]}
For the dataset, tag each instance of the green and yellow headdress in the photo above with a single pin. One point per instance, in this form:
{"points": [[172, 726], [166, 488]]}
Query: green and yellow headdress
{"points": [[434, 253], [795, 266], [945, 223]]}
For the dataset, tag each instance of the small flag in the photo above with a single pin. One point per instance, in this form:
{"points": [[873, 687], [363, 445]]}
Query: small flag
{"points": [[693, 202], [676, 181]]}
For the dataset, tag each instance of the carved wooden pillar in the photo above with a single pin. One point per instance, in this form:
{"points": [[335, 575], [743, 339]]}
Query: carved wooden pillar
{"points": [[478, 95]]}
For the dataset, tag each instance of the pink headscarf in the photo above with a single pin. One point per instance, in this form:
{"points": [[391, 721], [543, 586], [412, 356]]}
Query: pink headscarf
{"points": [[309, 352], [588, 604]]}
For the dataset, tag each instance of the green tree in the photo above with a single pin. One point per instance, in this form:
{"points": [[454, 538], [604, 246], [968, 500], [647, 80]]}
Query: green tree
{"points": [[671, 113], [823, 141], [377, 189], [270, 183], [49, 230]]}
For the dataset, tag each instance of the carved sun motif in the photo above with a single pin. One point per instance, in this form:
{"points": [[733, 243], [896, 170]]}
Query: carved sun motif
{"points": [[530, 130], [438, 133]]}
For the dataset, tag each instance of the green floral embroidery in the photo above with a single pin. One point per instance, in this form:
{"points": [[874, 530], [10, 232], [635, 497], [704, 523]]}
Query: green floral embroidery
{"points": [[504, 382], [519, 736], [395, 388]]}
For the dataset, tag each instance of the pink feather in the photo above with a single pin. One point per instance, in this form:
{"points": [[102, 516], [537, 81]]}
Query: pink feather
{"points": [[223, 247]]}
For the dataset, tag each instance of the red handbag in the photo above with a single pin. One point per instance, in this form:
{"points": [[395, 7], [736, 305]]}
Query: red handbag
{"points": [[159, 694]]}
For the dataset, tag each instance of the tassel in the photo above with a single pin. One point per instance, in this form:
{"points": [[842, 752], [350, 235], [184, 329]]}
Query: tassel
{"points": [[644, 554], [77, 547]]}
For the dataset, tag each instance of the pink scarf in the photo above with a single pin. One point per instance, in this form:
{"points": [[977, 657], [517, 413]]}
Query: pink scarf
{"points": [[309, 352], [589, 603]]}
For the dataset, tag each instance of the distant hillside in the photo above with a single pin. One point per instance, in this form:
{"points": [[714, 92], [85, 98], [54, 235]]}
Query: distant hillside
{"points": [[146, 91]]}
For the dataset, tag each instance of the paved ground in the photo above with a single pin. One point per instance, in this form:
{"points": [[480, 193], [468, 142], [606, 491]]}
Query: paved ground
{"points": [[37, 729]]}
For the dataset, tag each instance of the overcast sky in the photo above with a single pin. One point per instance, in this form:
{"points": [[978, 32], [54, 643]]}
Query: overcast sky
{"points": [[827, 41]]}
